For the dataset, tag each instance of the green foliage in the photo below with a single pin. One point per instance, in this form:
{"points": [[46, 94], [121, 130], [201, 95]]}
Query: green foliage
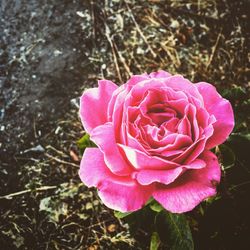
{"points": [[239, 98], [143, 218], [167, 230], [155, 241], [240, 137], [155, 206], [227, 156], [240, 144], [234, 93], [85, 142], [121, 215], [174, 230], [58, 206]]}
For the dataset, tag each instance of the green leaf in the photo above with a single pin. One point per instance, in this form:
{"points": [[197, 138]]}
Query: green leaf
{"points": [[121, 215], [155, 206], [239, 136], [155, 241], [174, 230], [85, 142], [53, 208], [240, 144], [151, 199], [227, 156], [58, 205], [234, 93]]}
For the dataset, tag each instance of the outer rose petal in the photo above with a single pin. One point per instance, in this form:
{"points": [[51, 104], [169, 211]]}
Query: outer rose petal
{"points": [[191, 188], [120, 193], [221, 109], [94, 104], [136, 78], [165, 176], [160, 74], [104, 137], [146, 177], [125, 196], [178, 82], [93, 169]]}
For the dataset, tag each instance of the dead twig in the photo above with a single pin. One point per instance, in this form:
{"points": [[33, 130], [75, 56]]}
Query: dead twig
{"points": [[93, 20], [172, 53], [213, 51], [44, 188], [122, 60], [57, 151], [140, 31], [107, 34], [61, 161]]}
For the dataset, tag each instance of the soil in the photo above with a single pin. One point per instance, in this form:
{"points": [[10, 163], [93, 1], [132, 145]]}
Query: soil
{"points": [[50, 51], [43, 50]]}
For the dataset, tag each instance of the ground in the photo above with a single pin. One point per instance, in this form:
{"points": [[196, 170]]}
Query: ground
{"points": [[50, 51]]}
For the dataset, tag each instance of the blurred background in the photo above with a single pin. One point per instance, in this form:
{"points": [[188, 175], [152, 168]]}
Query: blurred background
{"points": [[50, 51]]}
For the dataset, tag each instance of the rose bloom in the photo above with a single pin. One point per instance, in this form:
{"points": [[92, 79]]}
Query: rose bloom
{"points": [[153, 135]]}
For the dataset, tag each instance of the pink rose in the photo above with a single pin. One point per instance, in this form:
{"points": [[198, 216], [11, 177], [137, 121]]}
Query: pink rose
{"points": [[154, 134]]}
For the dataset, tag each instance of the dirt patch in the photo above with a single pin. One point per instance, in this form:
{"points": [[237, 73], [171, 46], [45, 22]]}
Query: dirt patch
{"points": [[43, 50]]}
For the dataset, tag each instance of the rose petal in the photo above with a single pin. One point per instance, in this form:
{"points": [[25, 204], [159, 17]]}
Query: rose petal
{"points": [[221, 109], [160, 74], [104, 137], [137, 78], [184, 127], [166, 176], [120, 193], [116, 100], [116, 110], [172, 142], [124, 196], [148, 176], [94, 104], [196, 164], [190, 112], [203, 117], [93, 169], [140, 160], [191, 188], [178, 105], [134, 143], [193, 151], [169, 126], [178, 82]]}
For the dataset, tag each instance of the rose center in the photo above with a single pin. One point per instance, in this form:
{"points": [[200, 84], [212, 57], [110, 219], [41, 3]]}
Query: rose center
{"points": [[160, 113]]}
